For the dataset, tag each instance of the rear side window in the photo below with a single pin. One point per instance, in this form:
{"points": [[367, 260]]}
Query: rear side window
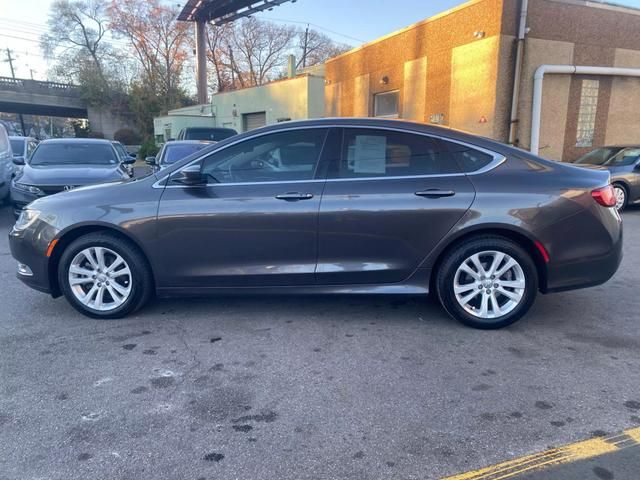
{"points": [[469, 159], [386, 153]]}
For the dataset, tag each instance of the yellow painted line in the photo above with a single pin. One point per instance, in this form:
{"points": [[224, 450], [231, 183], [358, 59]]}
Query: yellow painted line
{"points": [[634, 433], [574, 452]]}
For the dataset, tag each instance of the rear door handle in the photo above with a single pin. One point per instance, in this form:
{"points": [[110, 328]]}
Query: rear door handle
{"points": [[435, 193], [294, 196]]}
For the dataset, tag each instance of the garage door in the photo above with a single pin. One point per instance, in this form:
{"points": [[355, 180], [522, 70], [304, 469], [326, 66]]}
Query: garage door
{"points": [[254, 120]]}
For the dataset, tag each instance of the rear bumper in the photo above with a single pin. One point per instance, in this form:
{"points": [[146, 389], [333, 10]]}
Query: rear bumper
{"points": [[587, 251], [585, 272]]}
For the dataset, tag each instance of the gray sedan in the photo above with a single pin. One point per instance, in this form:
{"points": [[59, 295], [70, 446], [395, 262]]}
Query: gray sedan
{"points": [[624, 164], [356, 206]]}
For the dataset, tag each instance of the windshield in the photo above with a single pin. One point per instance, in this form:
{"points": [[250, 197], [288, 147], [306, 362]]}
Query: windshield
{"points": [[17, 145], [173, 153], [598, 156], [628, 156], [74, 153], [211, 134]]}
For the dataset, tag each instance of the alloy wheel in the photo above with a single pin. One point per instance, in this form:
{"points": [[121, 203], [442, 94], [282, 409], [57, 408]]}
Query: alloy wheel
{"points": [[100, 278], [621, 197], [489, 284]]}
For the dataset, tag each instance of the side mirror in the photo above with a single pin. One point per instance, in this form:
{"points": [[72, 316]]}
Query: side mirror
{"points": [[128, 161], [18, 160], [150, 160], [191, 176]]}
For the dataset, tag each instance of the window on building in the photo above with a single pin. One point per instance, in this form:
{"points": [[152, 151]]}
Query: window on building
{"points": [[587, 113], [386, 104], [380, 153]]}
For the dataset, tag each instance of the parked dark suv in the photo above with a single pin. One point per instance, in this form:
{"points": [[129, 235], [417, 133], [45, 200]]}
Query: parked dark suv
{"points": [[331, 206], [209, 134]]}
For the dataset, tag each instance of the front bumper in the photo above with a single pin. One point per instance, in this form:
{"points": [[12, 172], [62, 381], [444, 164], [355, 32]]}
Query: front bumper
{"points": [[28, 247], [20, 199]]}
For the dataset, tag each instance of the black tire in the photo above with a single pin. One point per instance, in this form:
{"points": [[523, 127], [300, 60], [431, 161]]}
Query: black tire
{"points": [[142, 286], [458, 254], [626, 195]]}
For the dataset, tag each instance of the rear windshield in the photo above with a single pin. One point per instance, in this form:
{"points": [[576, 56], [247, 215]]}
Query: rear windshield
{"points": [[174, 153], [73, 153], [17, 145], [211, 134]]}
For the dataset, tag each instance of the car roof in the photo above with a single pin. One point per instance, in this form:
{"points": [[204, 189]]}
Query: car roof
{"points": [[209, 128], [370, 122], [97, 141], [189, 142], [619, 146]]}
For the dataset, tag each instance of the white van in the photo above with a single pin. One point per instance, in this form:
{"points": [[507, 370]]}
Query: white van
{"points": [[6, 164]]}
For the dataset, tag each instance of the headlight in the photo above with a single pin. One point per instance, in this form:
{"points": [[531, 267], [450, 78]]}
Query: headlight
{"points": [[27, 188], [26, 219]]}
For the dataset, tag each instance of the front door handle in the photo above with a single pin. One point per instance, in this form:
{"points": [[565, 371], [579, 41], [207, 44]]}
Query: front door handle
{"points": [[435, 193], [294, 196]]}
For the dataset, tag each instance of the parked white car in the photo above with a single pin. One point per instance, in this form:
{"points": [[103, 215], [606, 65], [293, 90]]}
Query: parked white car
{"points": [[6, 164]]}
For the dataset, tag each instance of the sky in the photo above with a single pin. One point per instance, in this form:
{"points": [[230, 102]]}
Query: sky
{"points": [[349, 21]]}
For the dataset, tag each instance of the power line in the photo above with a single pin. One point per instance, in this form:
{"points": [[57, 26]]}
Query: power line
{"points": [[319, 27]]}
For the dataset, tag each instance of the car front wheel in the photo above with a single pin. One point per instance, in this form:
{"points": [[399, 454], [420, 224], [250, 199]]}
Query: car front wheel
{"points": [[487, 282], [104, 276]]}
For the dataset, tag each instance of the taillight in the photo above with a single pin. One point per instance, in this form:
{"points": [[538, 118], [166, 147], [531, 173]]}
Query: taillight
{"points": [[605, 196]]}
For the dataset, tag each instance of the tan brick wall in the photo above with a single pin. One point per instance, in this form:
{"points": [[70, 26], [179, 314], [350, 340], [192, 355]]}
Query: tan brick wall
{"points": [[474, 69], [624, 104], [433, 39], [555, 96], [414, 89]]}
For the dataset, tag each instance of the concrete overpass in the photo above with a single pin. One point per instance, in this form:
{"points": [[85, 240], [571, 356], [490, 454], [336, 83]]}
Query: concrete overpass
{"points": [[32, 97]]}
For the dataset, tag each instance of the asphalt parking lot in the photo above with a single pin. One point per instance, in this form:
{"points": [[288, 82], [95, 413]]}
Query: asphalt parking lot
{"points": [[310, 388]]}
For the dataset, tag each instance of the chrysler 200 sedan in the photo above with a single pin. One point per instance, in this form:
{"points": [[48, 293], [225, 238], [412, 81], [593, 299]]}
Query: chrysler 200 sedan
{"points": [[331, 206]]}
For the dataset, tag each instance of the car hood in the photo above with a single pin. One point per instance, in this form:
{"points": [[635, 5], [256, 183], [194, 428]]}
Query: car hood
{"points": [[70, 174]]}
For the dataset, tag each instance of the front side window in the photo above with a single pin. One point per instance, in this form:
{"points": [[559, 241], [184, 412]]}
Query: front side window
{"points": [[386, 104], [74, 153], [276, 157], [382, 153]]}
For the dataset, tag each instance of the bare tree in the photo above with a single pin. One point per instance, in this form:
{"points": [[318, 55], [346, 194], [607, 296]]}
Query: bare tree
{"points": [[315, 47], [77, 32], [159, 42]]}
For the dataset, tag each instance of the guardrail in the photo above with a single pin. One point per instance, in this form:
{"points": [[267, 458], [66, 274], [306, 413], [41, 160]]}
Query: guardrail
{"points": [[37, 86]]}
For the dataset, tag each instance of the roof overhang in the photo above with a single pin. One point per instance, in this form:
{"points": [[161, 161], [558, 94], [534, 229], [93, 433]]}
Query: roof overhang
{"points": [[224, 11]]}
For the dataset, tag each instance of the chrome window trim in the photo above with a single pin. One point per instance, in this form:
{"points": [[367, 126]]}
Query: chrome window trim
{"points": [[498, 159]]}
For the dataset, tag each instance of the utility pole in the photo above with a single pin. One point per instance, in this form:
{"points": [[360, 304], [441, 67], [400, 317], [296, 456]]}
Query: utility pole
{"points": [[304, 48], [13, 75]]}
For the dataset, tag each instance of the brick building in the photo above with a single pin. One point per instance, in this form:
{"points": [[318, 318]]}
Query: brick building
{"points": [[458, 69]]}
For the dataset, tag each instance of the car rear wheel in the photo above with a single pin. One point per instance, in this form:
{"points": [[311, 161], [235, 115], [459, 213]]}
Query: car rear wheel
{"points": [[487, 282], [621, 197], [104, 276]]}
